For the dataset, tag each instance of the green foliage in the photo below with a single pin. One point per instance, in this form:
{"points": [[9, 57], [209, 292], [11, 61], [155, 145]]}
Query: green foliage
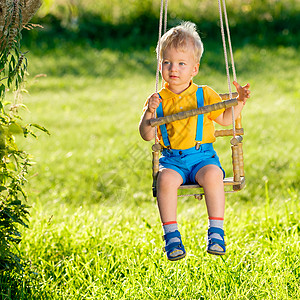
{"points": [[14, 163], [12, 62], [133, 24]]}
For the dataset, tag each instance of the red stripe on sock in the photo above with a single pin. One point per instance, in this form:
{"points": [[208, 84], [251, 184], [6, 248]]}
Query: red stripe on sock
{"points": [[215, 218], [171, 222]]}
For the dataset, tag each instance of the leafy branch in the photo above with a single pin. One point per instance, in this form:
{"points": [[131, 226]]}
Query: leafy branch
{"points": [[14, 162]]}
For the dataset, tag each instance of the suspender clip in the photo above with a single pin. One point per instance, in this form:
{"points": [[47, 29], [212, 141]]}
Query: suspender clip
{"points": [[198, 145]]}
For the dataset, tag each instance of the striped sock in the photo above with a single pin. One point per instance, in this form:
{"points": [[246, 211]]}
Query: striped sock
{"points": [[215, 222]]}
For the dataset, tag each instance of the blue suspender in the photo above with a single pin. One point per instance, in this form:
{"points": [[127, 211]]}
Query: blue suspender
{"points": [[200, 103], [163, 128], [199, 130]]}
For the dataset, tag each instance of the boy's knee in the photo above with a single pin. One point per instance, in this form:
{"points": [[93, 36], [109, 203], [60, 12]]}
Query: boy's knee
{"points": [[169, 178], [209, 174]]}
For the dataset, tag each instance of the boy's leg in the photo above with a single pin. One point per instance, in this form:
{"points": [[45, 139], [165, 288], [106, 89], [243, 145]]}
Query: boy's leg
{"points": [[168, 182], [210, 177]]}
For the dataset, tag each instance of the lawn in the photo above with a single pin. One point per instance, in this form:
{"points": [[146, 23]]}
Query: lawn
{"points": [[94, 230]]}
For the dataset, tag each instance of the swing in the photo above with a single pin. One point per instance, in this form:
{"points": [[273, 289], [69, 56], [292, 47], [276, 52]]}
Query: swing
{"points": [[237, 182]]}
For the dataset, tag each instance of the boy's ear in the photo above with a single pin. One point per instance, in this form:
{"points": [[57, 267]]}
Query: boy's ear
{"points": [[196, 69]]}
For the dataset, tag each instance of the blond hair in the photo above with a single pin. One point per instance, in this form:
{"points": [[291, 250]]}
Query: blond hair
{"points": [[180, 37]]}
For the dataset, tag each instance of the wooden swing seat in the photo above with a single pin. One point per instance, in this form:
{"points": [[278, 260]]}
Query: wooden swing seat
{"points": [[228, 181]]}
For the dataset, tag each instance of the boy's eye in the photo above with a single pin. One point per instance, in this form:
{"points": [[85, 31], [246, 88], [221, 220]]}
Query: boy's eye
{"points": [[181, 63], [166, 62]]}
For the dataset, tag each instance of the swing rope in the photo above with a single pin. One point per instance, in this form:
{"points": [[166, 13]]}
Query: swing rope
{"points": [[229, 41], [158, 47], [225, 55], [166, 16], [158, 44]]}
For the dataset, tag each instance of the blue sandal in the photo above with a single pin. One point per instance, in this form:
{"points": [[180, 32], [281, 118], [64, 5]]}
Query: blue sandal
{"points": [[216, 246], [172, 248]]}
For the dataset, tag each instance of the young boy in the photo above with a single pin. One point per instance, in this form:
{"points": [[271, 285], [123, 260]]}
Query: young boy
{"points": [[188, 155]]}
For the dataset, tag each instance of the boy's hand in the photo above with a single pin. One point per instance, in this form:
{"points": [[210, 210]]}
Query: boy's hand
{"points": [[243, 91], [153, 102]]}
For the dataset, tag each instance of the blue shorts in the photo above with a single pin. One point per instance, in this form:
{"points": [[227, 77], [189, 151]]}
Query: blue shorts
{"points": [[189, 161]]}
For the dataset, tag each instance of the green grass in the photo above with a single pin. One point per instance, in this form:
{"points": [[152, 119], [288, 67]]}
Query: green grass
{"points": [[94, 228]]}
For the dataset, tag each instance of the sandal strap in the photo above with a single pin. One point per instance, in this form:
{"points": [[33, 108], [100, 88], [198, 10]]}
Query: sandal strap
{"points": [[173, 246], [216, 230], [217, 241], [172, 234]]}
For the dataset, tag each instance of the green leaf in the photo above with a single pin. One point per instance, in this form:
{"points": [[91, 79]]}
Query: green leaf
{"points": [[12, 62], [9, 80], [2, 188], [2, 93], [15, 128], [16, 202], [39, 127]]}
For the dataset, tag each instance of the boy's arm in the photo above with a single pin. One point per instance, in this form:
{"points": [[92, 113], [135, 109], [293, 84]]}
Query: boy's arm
{"points": [[147, 132], [225, 118]]}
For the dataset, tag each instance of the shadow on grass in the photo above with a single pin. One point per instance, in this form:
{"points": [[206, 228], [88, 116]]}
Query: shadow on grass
{"points": [[13, 286]]}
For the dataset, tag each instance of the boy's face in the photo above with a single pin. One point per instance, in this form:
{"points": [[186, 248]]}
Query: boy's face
{"points": [[178, 67]]}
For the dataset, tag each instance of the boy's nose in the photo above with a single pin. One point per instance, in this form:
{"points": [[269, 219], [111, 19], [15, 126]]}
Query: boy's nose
{"points": [[173, 67]]}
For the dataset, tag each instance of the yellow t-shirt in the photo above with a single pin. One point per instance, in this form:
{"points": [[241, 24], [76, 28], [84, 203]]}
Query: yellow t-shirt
{"points": [[182, 133]]}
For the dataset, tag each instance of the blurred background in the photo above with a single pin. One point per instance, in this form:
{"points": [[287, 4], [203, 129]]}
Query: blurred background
{"points": [[124, 24]]}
